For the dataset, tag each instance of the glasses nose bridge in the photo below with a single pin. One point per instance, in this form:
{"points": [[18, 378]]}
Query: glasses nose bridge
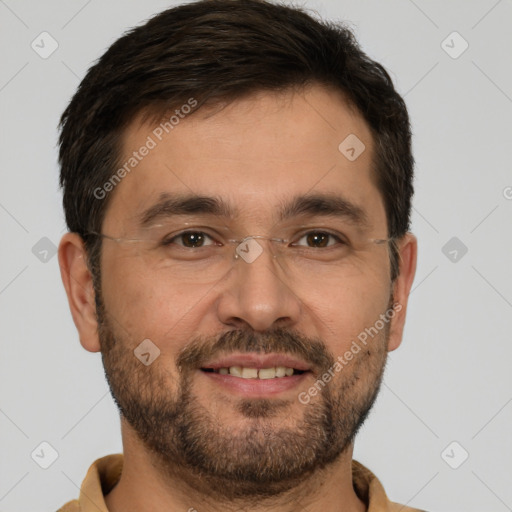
{"points": [[264, 269], [251, 247]]}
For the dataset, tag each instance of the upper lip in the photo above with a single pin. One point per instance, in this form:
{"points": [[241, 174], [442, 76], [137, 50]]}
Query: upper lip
{"points": [[257, 361]]}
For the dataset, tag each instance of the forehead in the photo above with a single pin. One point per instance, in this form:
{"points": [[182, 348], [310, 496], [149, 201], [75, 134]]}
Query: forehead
{"points": [[254, 154]]}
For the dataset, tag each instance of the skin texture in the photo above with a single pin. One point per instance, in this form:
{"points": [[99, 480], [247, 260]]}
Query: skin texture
{"points": [[189, 443]]}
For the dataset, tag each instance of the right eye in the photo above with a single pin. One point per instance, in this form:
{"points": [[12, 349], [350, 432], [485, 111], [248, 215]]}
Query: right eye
{"points": [[190, 239]]}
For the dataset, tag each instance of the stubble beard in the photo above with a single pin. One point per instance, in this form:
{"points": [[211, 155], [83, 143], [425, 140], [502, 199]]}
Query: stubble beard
{"points": [[261, 460]]}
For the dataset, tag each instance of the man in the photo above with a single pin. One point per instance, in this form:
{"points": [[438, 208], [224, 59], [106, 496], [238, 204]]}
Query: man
{"points": [[237, 185]]}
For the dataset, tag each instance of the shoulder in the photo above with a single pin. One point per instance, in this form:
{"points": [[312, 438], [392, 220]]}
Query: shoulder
{"points": [[70, 506], [396, 507]]}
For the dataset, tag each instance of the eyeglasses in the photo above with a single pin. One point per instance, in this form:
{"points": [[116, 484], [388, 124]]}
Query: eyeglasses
{"points": [[204, 255]]}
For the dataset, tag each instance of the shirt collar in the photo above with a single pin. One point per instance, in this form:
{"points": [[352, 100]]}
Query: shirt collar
{"points": [[105, 472]]}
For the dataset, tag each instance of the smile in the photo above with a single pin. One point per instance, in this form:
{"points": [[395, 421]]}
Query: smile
{"points": [[255, 373]]}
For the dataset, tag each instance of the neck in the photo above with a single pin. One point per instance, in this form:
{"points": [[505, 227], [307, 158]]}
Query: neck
{"points": [[146, 485]]}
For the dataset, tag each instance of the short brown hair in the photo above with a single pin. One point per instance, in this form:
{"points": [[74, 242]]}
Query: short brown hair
{"points": [[218, 51]]}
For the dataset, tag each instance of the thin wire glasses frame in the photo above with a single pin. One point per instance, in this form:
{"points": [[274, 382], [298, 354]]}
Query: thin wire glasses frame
{"points": [[241, 241]]}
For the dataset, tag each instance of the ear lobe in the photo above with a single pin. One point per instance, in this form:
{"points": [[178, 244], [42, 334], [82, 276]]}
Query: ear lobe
{"points": [[78, 284], [408, 252]]}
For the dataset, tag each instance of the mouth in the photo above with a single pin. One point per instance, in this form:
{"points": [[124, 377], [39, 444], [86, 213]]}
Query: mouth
{"points": [[256, 375]]}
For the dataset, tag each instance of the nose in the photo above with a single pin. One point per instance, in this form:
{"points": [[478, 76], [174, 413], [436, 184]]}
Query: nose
{"points": [[257, 293]]}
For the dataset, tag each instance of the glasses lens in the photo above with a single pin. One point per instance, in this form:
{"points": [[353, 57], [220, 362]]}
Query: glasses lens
{"points": [[200, 255]]}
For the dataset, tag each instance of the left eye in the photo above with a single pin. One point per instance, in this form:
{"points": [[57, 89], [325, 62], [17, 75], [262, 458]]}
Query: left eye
{"points": [[319, 239]]}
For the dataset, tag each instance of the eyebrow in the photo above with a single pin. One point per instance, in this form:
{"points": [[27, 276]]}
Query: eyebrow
{"points": [[322, 204], [325, 205], [170, 205]]}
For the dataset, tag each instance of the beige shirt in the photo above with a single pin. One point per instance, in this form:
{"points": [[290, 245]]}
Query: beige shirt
{"points": [[104, 474]]}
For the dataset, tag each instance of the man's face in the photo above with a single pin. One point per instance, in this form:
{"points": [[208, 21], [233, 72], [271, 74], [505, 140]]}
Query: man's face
{"points": [[257, 156]]}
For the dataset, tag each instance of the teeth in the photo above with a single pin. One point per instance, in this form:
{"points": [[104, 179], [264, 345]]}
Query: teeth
{"points": [[249, 373], [236, 371], [267, 373], [281, 371], [254, 373]]}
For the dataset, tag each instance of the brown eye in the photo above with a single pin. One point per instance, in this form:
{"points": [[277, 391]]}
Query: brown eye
{"points": [[190, 239], [319, 239], [193, 239]]}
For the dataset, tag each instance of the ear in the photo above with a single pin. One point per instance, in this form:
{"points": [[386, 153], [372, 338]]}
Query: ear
{"points": [[408, 252], [77, 281]]}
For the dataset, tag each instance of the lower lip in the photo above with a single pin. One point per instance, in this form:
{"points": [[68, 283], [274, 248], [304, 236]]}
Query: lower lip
{"points": [[255, 387]]}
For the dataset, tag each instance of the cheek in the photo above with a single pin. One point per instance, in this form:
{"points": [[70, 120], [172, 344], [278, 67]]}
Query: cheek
{"points": [[146, 304], [345, 312], [356, 339]]}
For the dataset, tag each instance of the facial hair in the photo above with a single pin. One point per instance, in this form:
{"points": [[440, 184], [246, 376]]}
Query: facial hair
{"points": [[260, 461]]}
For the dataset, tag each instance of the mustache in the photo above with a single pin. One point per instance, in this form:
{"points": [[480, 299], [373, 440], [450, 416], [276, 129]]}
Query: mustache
{"points": [[280, 341]]}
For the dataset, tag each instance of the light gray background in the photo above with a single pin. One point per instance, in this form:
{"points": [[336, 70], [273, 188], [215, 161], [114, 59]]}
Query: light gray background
{"points": [[449, 381]]}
